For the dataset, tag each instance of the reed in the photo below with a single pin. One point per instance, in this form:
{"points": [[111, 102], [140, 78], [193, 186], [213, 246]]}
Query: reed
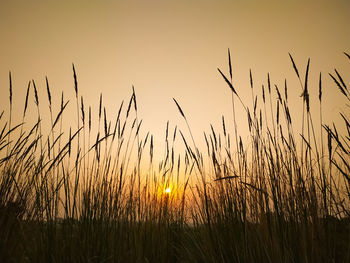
{"points": [[74, 195]]}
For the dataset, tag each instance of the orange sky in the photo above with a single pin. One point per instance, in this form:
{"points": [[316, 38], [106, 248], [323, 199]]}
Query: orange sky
{"points": [[170, 49]]}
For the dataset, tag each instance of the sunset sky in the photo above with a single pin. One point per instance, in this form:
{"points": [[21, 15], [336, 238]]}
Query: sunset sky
{"points": [[171, 49]]}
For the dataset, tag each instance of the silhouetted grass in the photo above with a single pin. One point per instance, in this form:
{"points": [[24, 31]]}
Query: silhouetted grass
{"points": [[80, 196]]}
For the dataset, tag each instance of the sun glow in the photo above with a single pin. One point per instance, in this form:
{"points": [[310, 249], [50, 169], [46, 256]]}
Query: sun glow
{"points": [[167, 190]]}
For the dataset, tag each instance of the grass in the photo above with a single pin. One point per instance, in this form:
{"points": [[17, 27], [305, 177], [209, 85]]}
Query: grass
{"points": [[78, 196]]}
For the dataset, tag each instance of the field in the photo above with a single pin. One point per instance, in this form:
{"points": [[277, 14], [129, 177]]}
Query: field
{"points": [[86, 194]]}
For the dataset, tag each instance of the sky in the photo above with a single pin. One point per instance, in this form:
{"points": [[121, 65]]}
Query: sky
{"points": [[171, 49]]}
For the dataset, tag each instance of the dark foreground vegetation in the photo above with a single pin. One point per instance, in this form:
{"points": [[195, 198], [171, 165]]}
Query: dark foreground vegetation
{"points": [[85, 194]]}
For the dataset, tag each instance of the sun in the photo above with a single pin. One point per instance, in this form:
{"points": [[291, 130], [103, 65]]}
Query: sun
{"points": [[167, 190]]}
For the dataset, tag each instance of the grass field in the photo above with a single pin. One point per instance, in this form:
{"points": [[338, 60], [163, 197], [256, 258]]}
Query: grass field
{"points": [[78, 195]]}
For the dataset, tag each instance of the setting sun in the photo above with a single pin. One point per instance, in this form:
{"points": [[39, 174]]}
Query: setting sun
{"points": [[167, 190]]}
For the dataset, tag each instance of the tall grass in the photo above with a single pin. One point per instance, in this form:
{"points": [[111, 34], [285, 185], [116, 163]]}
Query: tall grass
{"points": [[73, 195]]}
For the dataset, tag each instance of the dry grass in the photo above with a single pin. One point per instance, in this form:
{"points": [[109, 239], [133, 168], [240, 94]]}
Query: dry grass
{"points": [[85, 197]]}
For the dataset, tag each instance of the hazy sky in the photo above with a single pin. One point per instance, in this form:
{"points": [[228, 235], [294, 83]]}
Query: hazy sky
{"points": [[170, 49]]}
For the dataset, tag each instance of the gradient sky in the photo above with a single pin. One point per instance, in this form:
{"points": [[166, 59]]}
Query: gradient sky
{"points": [[171, 49]]}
